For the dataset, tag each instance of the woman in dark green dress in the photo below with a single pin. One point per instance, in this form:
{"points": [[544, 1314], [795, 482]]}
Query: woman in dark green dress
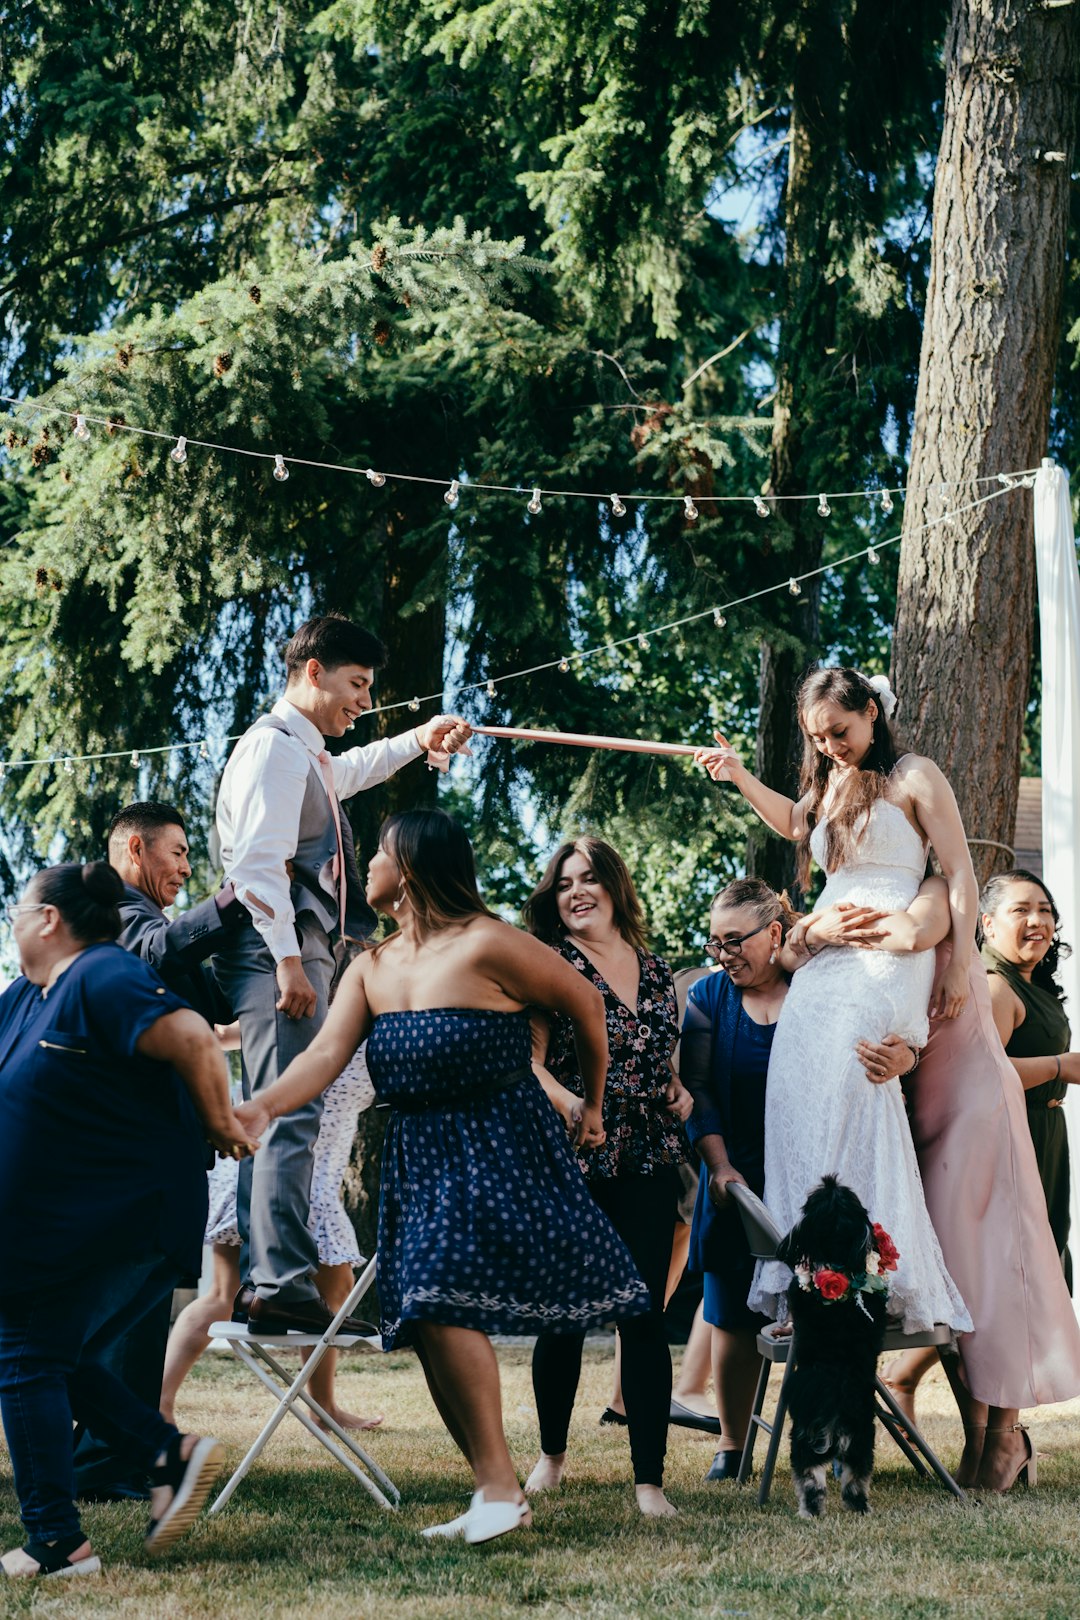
{"points": [[1020, 948]]}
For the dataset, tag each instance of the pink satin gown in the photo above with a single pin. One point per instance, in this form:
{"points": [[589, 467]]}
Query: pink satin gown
{"points": [[987, 1205]]}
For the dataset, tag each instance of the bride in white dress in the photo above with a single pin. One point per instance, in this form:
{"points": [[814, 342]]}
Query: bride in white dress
{"points": [[867, 817]]}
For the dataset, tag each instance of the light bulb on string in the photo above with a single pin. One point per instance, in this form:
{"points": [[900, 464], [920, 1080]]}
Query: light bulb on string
{"points": [[760, 507], [718, 618], [375, 479], [451, 496], [643, 642], [178, 453], [69, 768], [794, 587], [135, 758], [80, 431], [886, 502], [204, 752], [617, 507], [281, 472], [491, 688], [534, 504], [414, 704], [823, 507], [872, 556], [564, 666], [689, 509]]}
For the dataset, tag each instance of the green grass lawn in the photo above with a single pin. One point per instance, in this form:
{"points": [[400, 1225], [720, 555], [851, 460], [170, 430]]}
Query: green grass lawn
{"points": [[301, 1540]]}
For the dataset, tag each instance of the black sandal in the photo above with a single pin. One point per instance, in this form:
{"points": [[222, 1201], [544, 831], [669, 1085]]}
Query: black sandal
{"points": [[54, 1558], [189, 1479]]}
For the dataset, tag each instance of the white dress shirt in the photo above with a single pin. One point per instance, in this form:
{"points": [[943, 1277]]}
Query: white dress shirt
{"points": [[259, 803]]}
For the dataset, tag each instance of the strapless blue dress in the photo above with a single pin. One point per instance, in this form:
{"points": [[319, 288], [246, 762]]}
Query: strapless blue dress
{"points": [[485, 1219]]}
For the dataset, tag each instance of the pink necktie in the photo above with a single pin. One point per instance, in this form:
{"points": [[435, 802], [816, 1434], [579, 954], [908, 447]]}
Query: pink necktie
{"points": [[339, 859]]}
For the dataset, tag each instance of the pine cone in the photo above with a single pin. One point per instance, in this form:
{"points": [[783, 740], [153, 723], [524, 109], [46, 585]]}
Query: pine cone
{"points": [[124, 354], [255, 294], [222, 364], [382, 333], [379, 256], [113, 423], [40, 455], [41, 578]]}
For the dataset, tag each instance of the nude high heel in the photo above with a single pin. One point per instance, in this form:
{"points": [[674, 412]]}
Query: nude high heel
{"points": [[1025, 1471], [973, 1433]]}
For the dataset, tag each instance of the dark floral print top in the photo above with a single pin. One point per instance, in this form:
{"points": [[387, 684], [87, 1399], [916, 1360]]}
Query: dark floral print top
{"points": [[642, 1137]]}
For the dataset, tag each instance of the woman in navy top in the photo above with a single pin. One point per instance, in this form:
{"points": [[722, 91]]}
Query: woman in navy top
{"points": [[102, 1185]]}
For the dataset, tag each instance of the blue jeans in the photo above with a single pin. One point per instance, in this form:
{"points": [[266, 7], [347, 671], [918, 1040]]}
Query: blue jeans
{"points": [[51, 1377]]}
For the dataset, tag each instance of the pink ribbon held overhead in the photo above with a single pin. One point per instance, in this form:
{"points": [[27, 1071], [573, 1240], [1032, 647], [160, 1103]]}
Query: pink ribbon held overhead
{"points": [[438, 761], [584, 739]]}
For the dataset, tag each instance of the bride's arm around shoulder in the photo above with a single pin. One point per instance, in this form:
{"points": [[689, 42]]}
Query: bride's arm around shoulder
{"points": [[933, 804]]}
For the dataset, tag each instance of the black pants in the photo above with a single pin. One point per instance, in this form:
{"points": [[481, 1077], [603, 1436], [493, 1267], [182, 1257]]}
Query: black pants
{"points": [[138, 1360], [642, 1211]]}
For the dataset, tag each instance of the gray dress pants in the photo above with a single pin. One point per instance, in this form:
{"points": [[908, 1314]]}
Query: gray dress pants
{"points": [[273, 1197]]}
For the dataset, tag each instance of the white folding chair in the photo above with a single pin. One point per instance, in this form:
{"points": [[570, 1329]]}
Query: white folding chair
{"points": [[258, 1355], [763, 1236]]}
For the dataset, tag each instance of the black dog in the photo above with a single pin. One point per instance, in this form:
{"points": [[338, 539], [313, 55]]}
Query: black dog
{"points": [[837, 1302]]}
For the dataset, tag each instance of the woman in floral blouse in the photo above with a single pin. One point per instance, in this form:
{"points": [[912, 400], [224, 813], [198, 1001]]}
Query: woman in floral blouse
{"points": [[585, 907]]}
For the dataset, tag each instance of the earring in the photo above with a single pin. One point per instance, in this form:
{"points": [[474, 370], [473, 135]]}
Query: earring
{"points": [[772, 957], [400, 898]]}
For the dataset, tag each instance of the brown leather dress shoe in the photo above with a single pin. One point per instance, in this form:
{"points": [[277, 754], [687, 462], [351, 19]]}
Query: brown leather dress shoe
{"points": [[302, 1316], [242, 1303]]}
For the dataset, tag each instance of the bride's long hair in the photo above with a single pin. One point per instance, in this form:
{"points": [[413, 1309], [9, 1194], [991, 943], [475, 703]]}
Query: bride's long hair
{"points": [[852, 691]]}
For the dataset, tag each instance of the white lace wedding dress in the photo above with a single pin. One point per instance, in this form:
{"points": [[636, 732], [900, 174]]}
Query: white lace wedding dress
{"points": [[823, 1115]]}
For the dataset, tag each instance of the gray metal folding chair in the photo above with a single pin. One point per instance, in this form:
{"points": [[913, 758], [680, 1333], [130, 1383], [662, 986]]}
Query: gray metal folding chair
{"points": [[258, 1355], [763, 1236]]}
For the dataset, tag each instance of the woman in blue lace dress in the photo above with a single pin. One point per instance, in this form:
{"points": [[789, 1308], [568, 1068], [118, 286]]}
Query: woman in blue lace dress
{"points": [[485, 1222]]}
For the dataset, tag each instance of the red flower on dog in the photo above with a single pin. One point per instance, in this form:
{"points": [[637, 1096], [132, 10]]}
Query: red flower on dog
{"points": [[831, 1284], [887, 1251]]}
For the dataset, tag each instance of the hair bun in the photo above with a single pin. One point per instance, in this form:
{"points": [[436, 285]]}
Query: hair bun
{"points": [[102, 883]]}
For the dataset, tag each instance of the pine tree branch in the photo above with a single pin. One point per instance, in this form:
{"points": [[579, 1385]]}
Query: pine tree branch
{"points": [[149, 228]]}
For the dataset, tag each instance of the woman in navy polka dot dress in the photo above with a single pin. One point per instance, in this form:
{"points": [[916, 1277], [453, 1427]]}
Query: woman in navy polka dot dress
{"points": [[486, 1224]]}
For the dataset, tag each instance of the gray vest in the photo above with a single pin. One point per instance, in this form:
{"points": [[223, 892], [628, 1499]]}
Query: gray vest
{"points": [[313, 888]]}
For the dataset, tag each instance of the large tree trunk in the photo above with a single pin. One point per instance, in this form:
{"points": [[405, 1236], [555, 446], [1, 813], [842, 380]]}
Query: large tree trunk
{"points": [[962, 652], [807, 336]]}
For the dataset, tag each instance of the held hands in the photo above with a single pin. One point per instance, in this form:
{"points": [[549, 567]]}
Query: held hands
{"points": [[253, 1117], [235, 1138], [677, 1100], [297, 998], [588, 1128], [889, 1059], [951, 991], [723, 763], [720, 1180]]}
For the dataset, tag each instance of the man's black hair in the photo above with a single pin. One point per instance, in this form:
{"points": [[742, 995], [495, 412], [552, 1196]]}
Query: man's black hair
{"points": [[146, 817], [334, 641]]}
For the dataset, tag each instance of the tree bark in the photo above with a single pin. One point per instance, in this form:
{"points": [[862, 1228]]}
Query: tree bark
{"points": [[962, 650]]}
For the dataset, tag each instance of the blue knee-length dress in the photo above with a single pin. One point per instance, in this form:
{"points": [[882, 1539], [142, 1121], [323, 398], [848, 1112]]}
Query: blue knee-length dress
{"points": [[485, 1219]]}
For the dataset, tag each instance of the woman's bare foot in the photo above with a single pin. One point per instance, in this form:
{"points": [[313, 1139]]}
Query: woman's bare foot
{"points": [[653, 1503], [351, 1420], [547, 1475], [904, 1395]]}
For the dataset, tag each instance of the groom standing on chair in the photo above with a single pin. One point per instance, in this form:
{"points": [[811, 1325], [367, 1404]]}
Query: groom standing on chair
{"points": [[287, 850]]}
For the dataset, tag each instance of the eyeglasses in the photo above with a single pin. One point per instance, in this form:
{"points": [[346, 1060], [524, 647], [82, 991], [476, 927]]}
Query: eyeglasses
{"points": [[732, 945], [11, 912]]}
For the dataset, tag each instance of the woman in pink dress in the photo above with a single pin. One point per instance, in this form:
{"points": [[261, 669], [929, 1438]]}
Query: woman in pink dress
{"points": [[985, 1199]]}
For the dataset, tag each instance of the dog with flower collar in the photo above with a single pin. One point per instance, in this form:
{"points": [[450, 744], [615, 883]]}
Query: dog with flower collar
{"points": [[838, 1303]]}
